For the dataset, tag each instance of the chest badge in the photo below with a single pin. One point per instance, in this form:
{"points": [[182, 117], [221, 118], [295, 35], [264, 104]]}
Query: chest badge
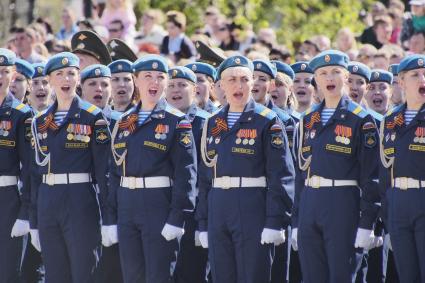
{"points": [[419, 135], [161, 131], [5, 127], [246, 136], [343, 134]]}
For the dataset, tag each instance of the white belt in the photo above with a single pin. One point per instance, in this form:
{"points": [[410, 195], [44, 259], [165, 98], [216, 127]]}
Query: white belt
{"points": [[62, 179], [227, 182], [317, 182], [146, 182], [405, 183], [8, 181]]}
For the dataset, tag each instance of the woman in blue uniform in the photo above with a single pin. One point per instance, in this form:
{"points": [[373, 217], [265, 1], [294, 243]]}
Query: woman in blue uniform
{"points": [[14, 150], [122, 83], [303, 88], [248, 190], [71, 143], [402, 136], [154, 175], [334, 207]]}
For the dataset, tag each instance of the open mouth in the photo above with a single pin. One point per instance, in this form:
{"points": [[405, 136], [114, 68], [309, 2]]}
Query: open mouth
{"points": [[301, 93], [255, 91], [1, 84], [40, 95], [238, 95], [330, 87], [274, 96], [65, 88], [353, 95], [176, 98], [121, 92], [377, 102], [422, 90], [97, 97], [152, 92]]}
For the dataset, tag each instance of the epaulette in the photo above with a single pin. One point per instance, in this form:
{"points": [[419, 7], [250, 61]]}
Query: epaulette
{"points": [[174, 111], [265, 111], [16, 104], [202, 113], [357, 109], [92, 109], [375, 115], [312, 109], [393, 110]]}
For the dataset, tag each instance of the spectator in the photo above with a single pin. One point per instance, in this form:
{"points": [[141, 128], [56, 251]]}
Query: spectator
{"points": [[397, 21], [396, 53], [307, 51], [212, 19], [322, 41], [345, 40], [382, 30], [280, 53], [120, 10], [414, 21], [69, 27], [396, 4], [244, 34], [366, 54], [151, 31], [226, 38], [116, 30], [417, 43], [24, 43], [176, 45], [267, 35], [381, 60]]}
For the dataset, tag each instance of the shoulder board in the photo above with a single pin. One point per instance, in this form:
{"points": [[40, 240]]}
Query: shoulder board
{"points": [[357, 109], [394, 110], [92, 109], [184, 124], [174, 111], [202, 113], [375, 115], [264, 111], [16, 104], [312, 108]]}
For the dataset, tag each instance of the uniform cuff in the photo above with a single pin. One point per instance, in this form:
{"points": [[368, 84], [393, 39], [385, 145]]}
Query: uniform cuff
{"points": [[203, 225], [176, 218], [274, 223]]}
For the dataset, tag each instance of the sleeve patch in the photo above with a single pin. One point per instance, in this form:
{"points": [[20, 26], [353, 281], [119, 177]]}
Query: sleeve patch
{"points": [[101, 122], [184, 124], [102, 135], [369, 126], [370, 139], [276, 128], [277, 140], [185, 139]]}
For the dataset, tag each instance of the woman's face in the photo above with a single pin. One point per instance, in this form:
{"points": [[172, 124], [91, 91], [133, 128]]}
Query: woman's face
{"points": [[219, 93], [39, 96], [344, 41], [97, 91], [6, 75], [280, 92], [397, 96], [19, 86], [180, 94], [237, 85], [378, 96], [413, 84], [303, 89], [203, 89], [64, 81], [261, 87], [122, 88], [151, 85], [223, 32], [358, 87], [331, 81], [172, 29]]}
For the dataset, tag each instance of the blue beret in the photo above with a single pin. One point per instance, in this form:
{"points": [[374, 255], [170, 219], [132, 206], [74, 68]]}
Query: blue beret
{"points": [[182, 73], [235, 61], [301, 67], [284, 68], [381, 76], [38, 70], [24, 68], [411, 62], [265, 67], [360, 69], [329, 58], [393, 69], [60, 61], [151, 63], [7, 57], [121, 66], [95, 71], [203, 68]]}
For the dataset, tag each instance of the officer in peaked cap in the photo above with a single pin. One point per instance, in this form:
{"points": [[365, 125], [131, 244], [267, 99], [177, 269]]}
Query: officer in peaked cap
{"points": [[90, 49], [208, 54], [120, 50]]}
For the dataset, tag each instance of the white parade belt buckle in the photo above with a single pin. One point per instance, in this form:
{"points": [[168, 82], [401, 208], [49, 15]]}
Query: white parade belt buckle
{"points": [[132, 183], [226, 182], [404, 183], [50, 179], [315, 182]]}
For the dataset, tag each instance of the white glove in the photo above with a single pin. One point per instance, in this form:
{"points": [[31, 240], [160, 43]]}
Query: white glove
{"points": [[170, 232], [109, 235], [294, 239], [378, 241], [387, 241], [35, 239], [364, 238], [197, 242], [271, 236], [203, 238], [20, 228]]}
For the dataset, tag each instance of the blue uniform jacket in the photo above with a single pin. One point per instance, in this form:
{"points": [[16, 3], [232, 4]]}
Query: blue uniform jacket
{"points": [[162, 146], [339, 158], [255, 146]]}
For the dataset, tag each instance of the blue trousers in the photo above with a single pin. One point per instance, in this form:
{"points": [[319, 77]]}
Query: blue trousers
{"points": [[236, 219], [328, 220], [10, 248], [406, 224], [68, 223], [145, 254], [109, 269]]}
